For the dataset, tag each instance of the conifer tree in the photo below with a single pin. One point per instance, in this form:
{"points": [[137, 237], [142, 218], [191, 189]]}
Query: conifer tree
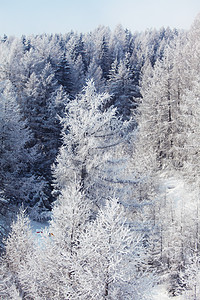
{"points": [[109, 257], [121, 87], [19, 243], [19, 182], [92, 144]]}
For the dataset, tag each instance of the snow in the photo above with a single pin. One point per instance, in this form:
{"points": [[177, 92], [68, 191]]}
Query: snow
{"points": [[162, 294], [38, 226], [3, 200], [179, 194], [38, 229]]}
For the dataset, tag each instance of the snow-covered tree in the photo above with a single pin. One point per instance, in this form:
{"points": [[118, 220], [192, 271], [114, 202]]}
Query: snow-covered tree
{"points": [[85, 258], [11, 56], [93, 139], [63, 74], [95, 73], [39, 106], [18, 157], [97, 49], [118, 43], [78, 74], [8, 289], [75, 56], [190, 138], [121, 87], [109, 258], [159, 123], [19, 242], [71, 211]]}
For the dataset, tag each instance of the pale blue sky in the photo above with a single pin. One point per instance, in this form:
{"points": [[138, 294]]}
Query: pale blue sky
{"points": [[19, 17]]}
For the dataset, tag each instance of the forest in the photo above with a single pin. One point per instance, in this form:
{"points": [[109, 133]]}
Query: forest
{"points": [[100, 138]]}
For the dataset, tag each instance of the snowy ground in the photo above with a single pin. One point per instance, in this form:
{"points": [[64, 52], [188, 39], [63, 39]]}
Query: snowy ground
{"points": [[38, 226], [38, 229], [177, 190], [161, 294]]}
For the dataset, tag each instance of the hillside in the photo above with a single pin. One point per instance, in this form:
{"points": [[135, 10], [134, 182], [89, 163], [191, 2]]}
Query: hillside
{"points": [[100, 140]]}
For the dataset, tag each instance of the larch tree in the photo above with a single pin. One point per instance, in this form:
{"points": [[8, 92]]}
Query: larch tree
{"points": [[159, 122], [109, 257], [18, 245], [93, 139]]}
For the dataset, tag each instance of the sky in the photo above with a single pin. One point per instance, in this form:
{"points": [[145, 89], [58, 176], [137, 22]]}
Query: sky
{"points": [[18, 17]]}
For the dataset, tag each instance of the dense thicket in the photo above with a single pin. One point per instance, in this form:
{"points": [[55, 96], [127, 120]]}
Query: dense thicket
{"points": [[95, 127]]}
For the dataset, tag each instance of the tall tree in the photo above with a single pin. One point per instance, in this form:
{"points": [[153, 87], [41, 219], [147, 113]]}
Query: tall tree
{"points": [[39, 106], [109, 257], [95, 73], [121, 87], [93, 139], [18, 158]]}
